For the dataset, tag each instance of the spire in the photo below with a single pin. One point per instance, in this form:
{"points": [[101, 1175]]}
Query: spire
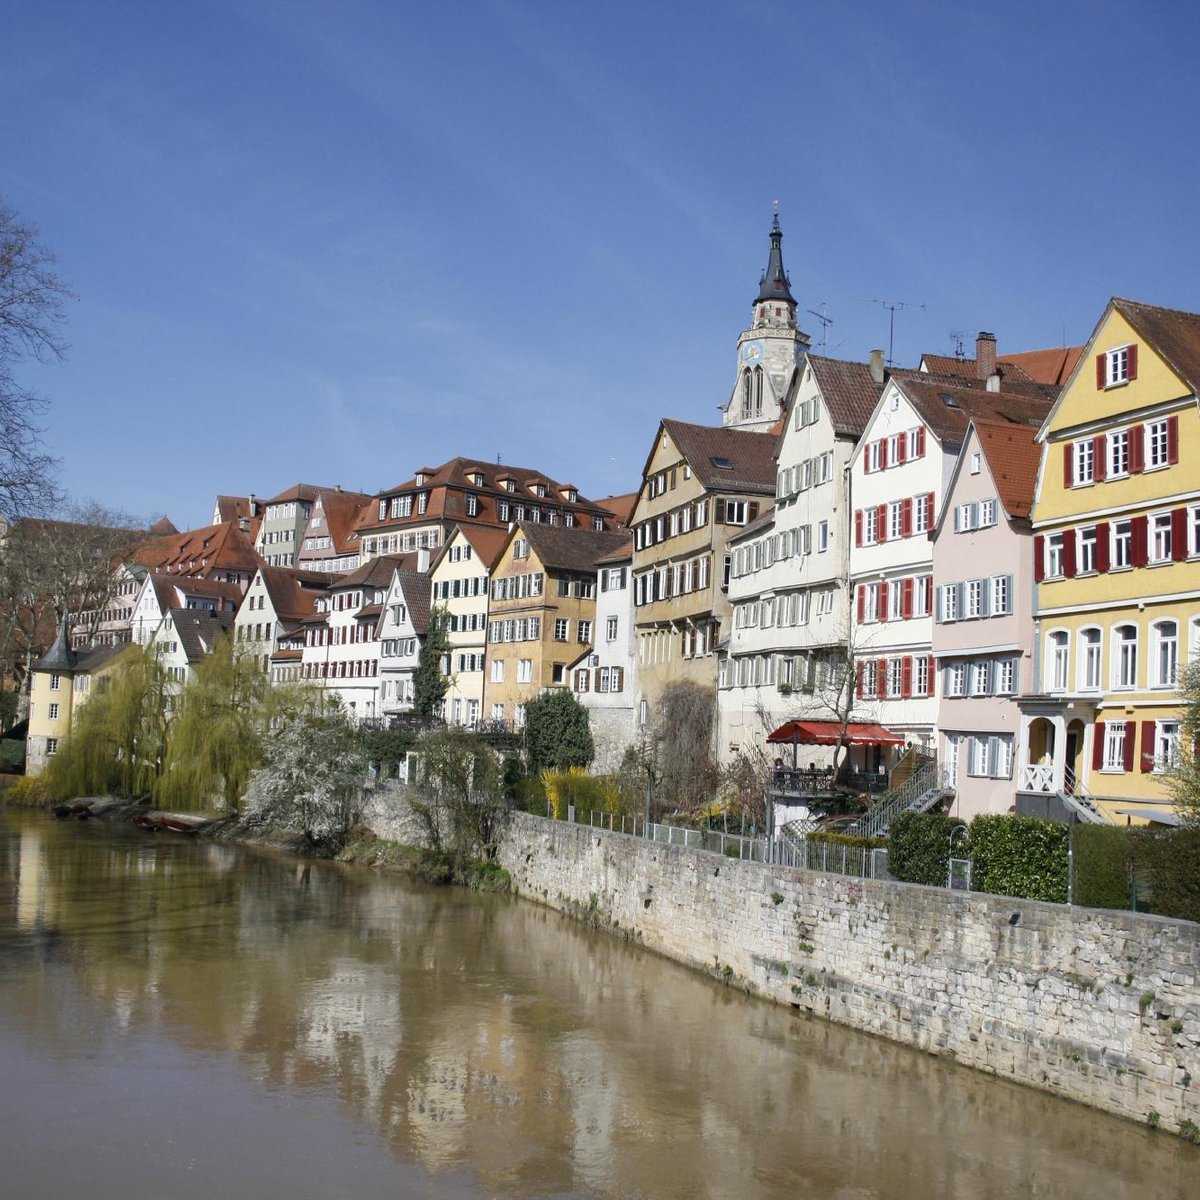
{"points": [[60, 656], [774, 284]]}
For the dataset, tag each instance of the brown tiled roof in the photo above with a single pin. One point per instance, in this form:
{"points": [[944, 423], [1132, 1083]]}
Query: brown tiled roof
{"points": [[948, 408], [298, 491], [199, 630], [341, 512], [1174, 334], [377, 573], [849, 392], [200, 551], [764, 520], [751, 456], [293, 593], [162, 528], [1048, 366], [1013, 455], [236, 508], [417, 593], [621, 506], [486, 540], [954, 367], [97, 656], [622, 553], [560, 548]]}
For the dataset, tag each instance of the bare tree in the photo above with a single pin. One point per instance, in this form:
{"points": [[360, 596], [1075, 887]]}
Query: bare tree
{"points": [[32, 303], [682, 737]]}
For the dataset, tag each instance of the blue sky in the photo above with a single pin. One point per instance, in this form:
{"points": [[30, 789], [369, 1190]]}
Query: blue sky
{"points": [[334, 242]]}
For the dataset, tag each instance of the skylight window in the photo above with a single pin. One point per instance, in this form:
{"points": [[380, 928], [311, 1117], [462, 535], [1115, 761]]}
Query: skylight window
{"points": [[949, 401], [722, 464]]}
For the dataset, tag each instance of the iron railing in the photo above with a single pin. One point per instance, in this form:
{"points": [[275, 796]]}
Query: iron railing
{"points": [[919, 793]]}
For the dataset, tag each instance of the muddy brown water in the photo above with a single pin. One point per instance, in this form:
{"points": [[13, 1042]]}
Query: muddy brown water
{"points": [[185, 1019]]}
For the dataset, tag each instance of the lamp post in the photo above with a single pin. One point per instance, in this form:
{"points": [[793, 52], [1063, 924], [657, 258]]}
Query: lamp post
{"points": [[950, 859]]}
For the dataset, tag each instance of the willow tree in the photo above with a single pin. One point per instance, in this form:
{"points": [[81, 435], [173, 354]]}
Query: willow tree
{"points": [[217, 734], [117, 737]]}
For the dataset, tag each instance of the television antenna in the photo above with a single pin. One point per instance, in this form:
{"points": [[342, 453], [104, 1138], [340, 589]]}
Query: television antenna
{"points": [[826, 321], [892, 306], [959, 338]]}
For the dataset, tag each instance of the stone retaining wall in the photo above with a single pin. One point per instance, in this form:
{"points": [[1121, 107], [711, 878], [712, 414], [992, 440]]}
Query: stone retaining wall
{"points": [[1102, 1007]]}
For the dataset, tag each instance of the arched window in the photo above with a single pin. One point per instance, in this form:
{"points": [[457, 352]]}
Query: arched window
{"points": [[1124, 662], [758, 391], [1164, 664], [1090, 674], [747, 393], [1058, 646]]}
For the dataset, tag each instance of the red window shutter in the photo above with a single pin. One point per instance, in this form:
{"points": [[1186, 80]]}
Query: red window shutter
{"points": [[1068, 464], [1130, 738], [906, 676], [906, 598], [1069, 553], [858, 680], [1133, 361], [1179, 547], [902, 449], [1097, 745], [929, 671], [928, 510], [920, 441], [928, 596], [858, 518], [1137, 449], [1147, 746], [1137, 540], [881, 613], [880, 678], [866, 461], [881, 523], [1039, 558], [1099, 445], [906, 521], [1102, 535], [862, 607], [883, 458], [1101, 372], [1172, 439]]}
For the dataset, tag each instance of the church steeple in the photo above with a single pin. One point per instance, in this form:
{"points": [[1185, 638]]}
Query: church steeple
{"points": [[774, 284]]}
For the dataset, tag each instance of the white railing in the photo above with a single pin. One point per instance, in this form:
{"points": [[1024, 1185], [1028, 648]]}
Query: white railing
{"points": [[1036, 777]]}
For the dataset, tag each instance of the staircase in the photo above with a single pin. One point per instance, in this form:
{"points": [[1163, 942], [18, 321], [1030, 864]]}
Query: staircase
{"points": [[918, 793], [1075, 799]]}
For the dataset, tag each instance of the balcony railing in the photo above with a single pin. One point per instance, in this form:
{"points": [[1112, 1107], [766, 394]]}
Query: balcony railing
{"points": [[1036, 777]]}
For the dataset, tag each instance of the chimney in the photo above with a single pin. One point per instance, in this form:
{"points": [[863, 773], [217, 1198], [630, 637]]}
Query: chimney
{"points": [[253, 505], [993, 381], [877, 366], [423, 559], [244, 525], [985, 355]]}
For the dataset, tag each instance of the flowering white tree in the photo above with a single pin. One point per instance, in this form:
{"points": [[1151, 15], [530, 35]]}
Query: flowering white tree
{"points": [[309, 781]]}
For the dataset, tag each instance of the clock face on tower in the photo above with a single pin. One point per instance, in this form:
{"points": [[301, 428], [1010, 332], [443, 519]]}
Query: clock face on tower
{"points": [[752, 351]]}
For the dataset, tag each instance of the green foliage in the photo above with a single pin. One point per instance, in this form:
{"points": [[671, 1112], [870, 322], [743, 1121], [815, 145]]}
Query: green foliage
{"points": [[847, 839], [12, 754], [919, 847], [429, 683], [218, 733], [558, 732], [588, 793], [1020, 856], [386, 747], [29, 791], [311, 772], [1168, 860], [1103, 862], [118, 739]]}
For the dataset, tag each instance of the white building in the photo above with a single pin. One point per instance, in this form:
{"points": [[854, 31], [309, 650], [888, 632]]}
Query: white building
{"points": [[403, 624]]}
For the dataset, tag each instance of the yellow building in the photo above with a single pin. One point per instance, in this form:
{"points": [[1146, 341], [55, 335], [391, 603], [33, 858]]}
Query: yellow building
{"points": [[1116, 519], [541, 611], [60, 683]]}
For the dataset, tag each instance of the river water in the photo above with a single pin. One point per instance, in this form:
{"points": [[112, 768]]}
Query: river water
{"points": [[185, 1019]]}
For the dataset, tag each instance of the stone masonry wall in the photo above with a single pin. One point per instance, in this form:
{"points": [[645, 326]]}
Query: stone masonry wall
{"points": [[1102, 1007]]}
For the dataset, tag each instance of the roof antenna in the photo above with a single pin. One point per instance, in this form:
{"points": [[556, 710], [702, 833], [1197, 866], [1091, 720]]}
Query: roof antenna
{"points": [[825, 324], [958, 337], [891, 306]]}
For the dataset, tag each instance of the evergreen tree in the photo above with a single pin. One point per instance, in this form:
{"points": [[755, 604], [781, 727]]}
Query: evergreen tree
{"points": [[558, 731], [430, 683]]}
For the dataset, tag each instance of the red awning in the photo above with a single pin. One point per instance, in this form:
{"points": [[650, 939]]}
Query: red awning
{"points": [[829, 733]]}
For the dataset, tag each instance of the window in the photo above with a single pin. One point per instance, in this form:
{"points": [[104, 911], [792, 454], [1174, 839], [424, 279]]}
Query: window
{"points": [[874, 455], [976, 463], [1118, 454], [956, 679], [1166, 746], [472, 505], [1125, 656], [895, 673], [980, 755], [1158, 452], [497, 670], [1001, 598], [497, 712], [987, 513], [584, 632], [737, 512], [1057, 648], [51, 746], [562, 629], [870, 526], [1117, 366], [895, 520], [521, 548], [920, 676], [1165, 661], [974, 594], [1089, 660], [1160, 537], [980, 678], [1114, 746], [525, 670], [922, 512], [1121, 556], [1054, 556], [949, 602], [54, 712], [55, 682], [610, 629], [1083, 457], [822, 536], [582, 679], [1005, 677]]}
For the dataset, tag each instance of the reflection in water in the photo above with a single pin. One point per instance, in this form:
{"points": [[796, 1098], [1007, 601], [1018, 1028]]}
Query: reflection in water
{"points": [[326, 1031]]}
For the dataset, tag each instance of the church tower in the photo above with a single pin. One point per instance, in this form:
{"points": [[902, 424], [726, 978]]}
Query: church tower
{"points": [[770, 352]]}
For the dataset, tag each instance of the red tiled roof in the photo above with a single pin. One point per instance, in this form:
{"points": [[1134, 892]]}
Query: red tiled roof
{"points": [[849, 391], [1013, 456], [200, 551], [1048, 366], [298, 491], [948, 407], [621, 506], [293, 593]]}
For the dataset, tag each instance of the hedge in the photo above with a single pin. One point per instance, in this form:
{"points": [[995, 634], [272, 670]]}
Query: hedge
{"points": [[1168, 860], [1103, 864], [919, 847], [1020, 856], [846, 839]]}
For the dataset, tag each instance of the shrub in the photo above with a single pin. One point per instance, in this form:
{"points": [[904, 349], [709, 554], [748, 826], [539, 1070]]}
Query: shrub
{"points": [[1103, 859], [1169, 861], [919, 847], [1020, 856], [847, 839], [30, 791]]}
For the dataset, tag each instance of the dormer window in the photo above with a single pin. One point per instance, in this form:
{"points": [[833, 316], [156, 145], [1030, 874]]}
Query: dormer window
{"points": [[570, 495], [419, 479], [475, 479], [539, 489]]}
